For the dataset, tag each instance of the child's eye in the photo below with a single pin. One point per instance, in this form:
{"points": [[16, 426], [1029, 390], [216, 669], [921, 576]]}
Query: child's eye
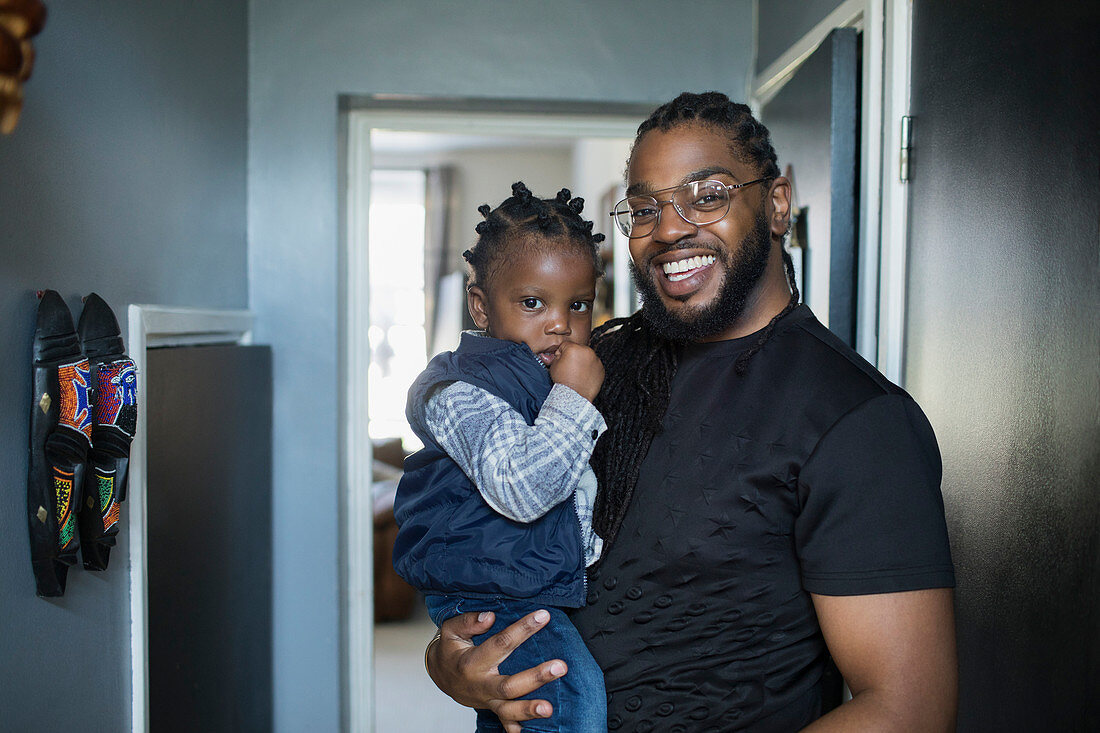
{"points": [[581, 306], [531, 303]]}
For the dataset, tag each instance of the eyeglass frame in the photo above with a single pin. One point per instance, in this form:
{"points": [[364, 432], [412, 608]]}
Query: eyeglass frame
{"points": [[661, 203]]}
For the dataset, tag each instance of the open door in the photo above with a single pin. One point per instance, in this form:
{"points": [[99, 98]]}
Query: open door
{"points": [[815, 124]]}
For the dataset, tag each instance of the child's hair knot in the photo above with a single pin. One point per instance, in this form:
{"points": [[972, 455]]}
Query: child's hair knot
{"points": [[509, 226], [521, 192]]}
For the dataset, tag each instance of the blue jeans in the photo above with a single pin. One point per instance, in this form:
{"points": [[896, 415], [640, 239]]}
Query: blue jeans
{"points": [[579, 700]]}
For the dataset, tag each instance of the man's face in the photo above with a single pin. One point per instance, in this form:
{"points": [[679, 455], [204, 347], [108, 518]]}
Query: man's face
{"points": [[696, 281]]}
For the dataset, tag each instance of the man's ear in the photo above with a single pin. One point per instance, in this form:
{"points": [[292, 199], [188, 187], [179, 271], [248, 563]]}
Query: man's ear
{"points": [[478, 305], [779, 200]]}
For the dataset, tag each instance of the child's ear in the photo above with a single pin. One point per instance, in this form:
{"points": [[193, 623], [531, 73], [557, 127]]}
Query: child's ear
{"points": [[477, 303]]}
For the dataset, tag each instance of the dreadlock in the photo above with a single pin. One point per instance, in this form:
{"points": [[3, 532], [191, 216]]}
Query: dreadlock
{"points": [[639, 364], [524, 219]]}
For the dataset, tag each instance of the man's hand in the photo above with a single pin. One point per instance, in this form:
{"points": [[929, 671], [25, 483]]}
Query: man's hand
{"points": [[578, 368], [469, 672]]}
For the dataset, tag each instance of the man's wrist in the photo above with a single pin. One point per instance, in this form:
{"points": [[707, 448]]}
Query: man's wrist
{"points": [[428, 649]]}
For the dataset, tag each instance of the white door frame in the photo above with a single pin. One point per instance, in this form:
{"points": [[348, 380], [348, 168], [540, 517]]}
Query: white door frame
{"points": [[886, 26], [154, 326], [355, 448]]}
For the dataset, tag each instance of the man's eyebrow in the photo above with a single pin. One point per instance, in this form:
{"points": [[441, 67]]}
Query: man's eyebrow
{"points": [[705, 173], [702, 174]]}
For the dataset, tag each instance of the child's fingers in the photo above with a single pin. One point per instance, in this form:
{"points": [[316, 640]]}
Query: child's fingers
{"points": [[568, 346]]}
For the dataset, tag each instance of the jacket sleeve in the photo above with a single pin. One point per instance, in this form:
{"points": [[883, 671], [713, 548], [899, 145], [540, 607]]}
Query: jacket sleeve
{"points": [[522, 471]]}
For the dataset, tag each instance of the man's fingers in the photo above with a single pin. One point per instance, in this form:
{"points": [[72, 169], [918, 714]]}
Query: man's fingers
{"points": [[469, 672], [512, 712], [529, 680], [497, 647], [467, 625]]}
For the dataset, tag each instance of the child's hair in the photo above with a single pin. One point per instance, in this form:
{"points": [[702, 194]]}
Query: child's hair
{"points": [[523, 219]]}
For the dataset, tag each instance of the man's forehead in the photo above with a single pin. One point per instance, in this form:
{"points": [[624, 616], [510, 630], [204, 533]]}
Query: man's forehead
{"points": [[665, 158], [701, 174]]}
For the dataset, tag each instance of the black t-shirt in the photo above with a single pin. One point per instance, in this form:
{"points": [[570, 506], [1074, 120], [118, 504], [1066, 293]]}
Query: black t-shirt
{"points": [[810, 474]]}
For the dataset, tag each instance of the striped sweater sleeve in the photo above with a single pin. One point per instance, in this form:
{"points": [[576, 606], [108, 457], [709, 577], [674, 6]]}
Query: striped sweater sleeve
{"points": [[521, 470]]}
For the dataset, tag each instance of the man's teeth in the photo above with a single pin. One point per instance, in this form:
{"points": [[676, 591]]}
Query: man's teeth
{"points": [[681, 269]]}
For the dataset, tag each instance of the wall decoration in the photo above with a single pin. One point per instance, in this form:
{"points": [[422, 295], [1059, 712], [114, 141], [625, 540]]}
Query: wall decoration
{"points": [[20, 20], [83, 417], [114, 417], [61, 431]]}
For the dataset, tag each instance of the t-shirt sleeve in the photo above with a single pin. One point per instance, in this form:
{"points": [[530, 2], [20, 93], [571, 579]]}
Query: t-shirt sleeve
{"points": [[872, 519]]}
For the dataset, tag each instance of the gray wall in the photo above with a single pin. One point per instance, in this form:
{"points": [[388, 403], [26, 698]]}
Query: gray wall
{"points": [[126, 176], [781, 23], [301, 58], [1003, 344]]}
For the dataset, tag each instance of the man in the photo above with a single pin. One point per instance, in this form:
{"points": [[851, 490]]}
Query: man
{"points": [[767, 498]]}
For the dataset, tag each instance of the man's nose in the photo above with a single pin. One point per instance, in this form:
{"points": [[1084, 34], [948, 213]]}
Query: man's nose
{"points": [[671, 227]]}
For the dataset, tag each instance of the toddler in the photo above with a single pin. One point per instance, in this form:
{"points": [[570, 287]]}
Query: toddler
{"points": [[495, 513]]}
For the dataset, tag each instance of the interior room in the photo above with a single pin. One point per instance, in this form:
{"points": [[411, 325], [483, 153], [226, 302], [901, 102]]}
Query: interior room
{"points": [[273, 198], [449, 174]]}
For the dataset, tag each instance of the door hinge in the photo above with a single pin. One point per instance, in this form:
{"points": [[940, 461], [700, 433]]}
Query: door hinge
{"points": [[906, 148]]}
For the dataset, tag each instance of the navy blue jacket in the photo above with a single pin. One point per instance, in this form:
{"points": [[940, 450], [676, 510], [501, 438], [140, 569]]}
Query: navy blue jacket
{"points": [[450, 541]]}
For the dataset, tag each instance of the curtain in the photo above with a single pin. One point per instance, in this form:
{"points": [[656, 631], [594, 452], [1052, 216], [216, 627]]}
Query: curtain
{"points": [[439, 259]]}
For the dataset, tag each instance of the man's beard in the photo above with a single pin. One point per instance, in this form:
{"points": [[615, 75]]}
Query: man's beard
{"points": [[743, 270]]}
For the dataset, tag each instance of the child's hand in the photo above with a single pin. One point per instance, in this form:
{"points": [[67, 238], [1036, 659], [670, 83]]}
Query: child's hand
{"points": [[578, 368]]}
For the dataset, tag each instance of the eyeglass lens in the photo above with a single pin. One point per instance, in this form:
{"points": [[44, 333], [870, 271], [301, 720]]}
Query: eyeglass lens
{"points": [[698, 202]]}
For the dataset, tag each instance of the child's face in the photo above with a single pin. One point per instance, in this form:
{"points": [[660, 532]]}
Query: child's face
{"points": [[539, 298]]}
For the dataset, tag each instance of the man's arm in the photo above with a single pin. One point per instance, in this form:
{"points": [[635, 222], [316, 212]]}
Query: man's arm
{"points": [[897, 653], [469, 673]]}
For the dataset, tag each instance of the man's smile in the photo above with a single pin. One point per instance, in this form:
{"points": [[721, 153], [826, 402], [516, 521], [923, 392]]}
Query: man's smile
{"points": [[678, 270], [682, 273]]}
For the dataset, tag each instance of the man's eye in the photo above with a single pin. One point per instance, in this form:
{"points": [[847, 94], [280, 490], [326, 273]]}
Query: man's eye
{"points": [[531, 303], [708, 200], [581, 306], [643, 213]]}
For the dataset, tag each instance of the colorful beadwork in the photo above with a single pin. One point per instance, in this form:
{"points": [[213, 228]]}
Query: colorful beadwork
{"points": [[76, 412], [107, 500], [117, 385], [66, 520]]}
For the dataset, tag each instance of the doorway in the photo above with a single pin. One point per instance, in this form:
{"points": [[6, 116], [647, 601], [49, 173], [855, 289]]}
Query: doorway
{"points": [[466, 154], [885, 30]]}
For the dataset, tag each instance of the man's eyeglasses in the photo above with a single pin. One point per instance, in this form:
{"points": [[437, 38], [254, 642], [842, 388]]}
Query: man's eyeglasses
{"points": [[698, 202]]}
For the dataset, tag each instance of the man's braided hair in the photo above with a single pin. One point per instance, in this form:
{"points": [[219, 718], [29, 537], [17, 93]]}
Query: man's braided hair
{"points": [[524, 219], [640, 364]]}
